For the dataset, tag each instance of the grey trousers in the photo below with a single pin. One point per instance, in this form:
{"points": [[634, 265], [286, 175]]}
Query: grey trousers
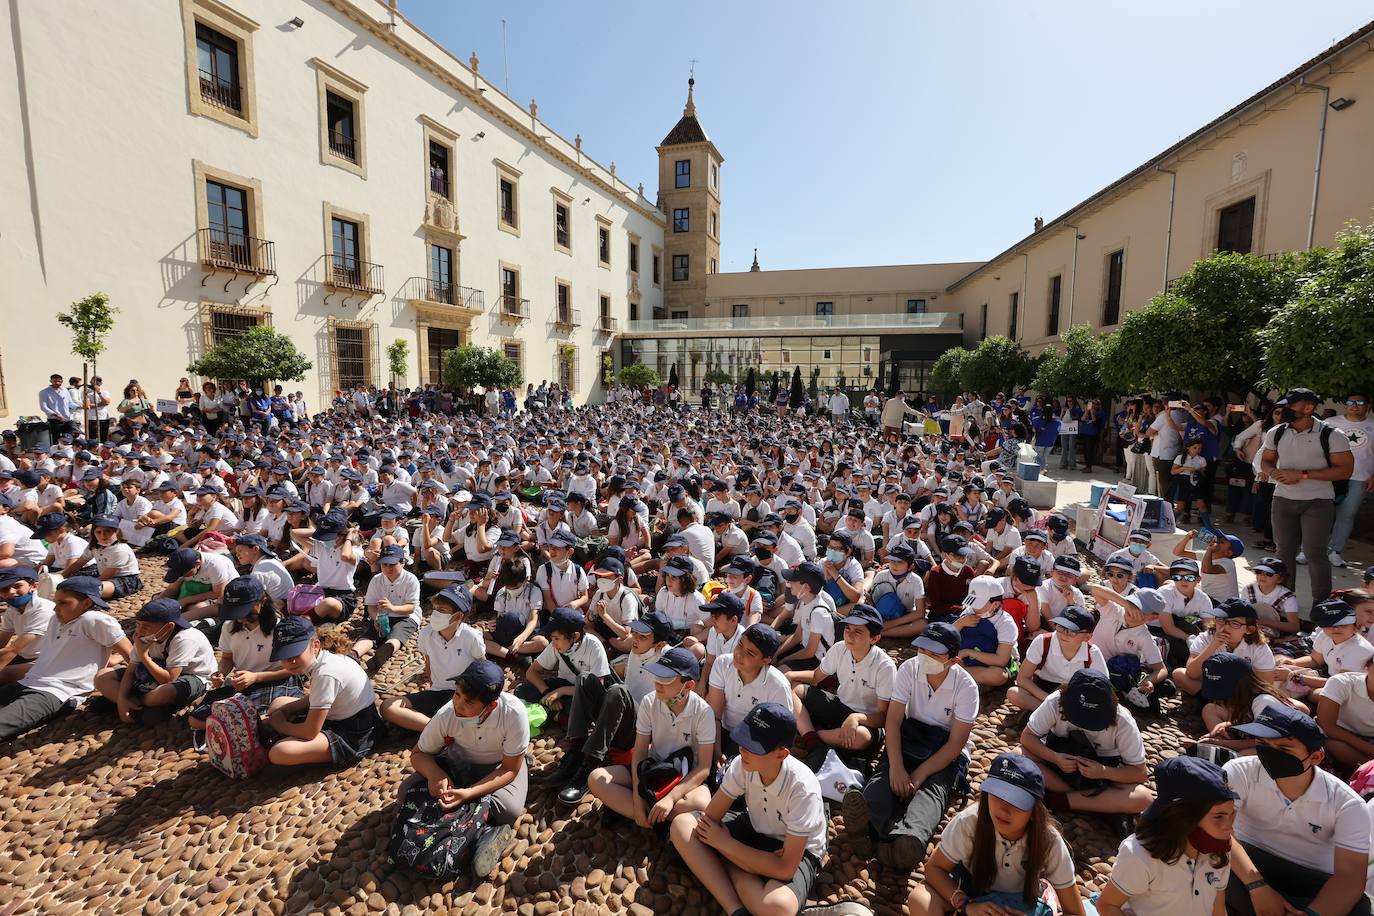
{"points": [[601, 717], [1305, 524], [23, 708], [506, 803], [917, 817]]}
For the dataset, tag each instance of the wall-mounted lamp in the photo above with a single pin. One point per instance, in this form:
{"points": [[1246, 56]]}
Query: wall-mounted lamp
{"points": [[586, 200], [298, 22], [1341, 104], [480, 135], [1080, 236]]}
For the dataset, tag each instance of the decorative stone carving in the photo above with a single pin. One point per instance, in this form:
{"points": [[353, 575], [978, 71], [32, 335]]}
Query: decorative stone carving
{"points": [[1239, 162], [439, 212]]}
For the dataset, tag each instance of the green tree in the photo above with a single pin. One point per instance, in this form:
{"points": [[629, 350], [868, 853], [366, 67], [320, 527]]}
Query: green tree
{"points": [[638, 375], [717, 377], [945, 375], [397, 358], [89, 320], [471, 367], [1324, 339], [258, 355], [1076, 371], [996, 364]]}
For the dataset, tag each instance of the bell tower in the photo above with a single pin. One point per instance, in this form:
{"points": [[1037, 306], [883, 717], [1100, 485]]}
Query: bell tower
{"points": [[689, 195]]}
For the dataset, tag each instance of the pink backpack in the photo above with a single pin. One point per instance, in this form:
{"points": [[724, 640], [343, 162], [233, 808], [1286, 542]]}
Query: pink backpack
{"points": [[303, 599], [231, 738]]}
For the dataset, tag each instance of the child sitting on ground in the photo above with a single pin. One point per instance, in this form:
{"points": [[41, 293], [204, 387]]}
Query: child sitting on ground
{"points": [[24, 622], [851, 718], [1233, 629], [393, 609], [1134, 662], [988, 634], [170, 668], [1337, 647], [1052, 658], [449, 645]]}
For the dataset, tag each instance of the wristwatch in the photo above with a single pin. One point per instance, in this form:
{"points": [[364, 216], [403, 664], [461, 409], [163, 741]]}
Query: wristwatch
{"points": [[1304, 475], [1256, 885]]}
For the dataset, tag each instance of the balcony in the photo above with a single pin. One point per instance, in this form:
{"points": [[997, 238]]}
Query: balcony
{"points": [[438, 182], [513, 308], [607, 325], [789, 324], [343, 145], [506, 215], [220, 93], [567, 318], [225, 249], [450, 298], [349, 273]]}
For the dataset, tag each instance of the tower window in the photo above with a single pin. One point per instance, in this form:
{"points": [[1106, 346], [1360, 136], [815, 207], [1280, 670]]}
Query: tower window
{"points": [[682, 173], [679, 267], [682, 219]]}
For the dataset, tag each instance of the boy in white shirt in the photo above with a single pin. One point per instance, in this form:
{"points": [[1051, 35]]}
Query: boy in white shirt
{"points": [[169, 670], [989, 634], [25, 620], [393, 609], [850, 719], [1052, 658], [449, 645]]}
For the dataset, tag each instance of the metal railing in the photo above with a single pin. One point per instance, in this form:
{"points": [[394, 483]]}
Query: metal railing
{"points": [[506, 214], [343, 145], [348, 272], [444, 293], [219, 93], [567, 317], [608, 324], [438, 184], [229, 250], [899, 321], [563, 236], [515, 307]]}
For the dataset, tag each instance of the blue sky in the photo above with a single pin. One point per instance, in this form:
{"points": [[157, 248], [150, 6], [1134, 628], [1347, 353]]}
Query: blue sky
{"points": [[887, 133]]}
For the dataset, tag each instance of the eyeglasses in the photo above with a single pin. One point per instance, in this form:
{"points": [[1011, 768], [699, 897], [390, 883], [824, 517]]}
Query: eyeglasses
{"points": [[1119, 575], [1184, 578], [1354, 402], [1265, 572]]}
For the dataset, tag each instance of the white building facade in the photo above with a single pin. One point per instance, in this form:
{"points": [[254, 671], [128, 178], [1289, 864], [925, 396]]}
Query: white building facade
{"points": [[324, 167]]}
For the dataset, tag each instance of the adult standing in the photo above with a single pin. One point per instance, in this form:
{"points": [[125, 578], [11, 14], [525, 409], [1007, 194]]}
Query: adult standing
{"points": [[894, 413], [211, 407], [1068, 442], [98, 400], [1089, 429], [839, 406], [1204, 423], [1359, 429], [56, 405], [1303, 456], [1166, 442]]}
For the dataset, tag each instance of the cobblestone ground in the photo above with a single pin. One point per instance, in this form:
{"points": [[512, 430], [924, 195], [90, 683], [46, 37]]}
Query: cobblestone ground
{"points": [[102, 818]]}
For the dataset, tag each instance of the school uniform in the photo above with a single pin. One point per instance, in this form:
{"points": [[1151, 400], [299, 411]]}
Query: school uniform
{"points": [[956, 842], [27, 548], [28, 621], [473, 750], [1116, 640], [334, 574], [67, 550], [718, 645], [1273, 606], [129, 512], [683, 610], [690, 728], [1350, 655], [1259, 655], [863, 686], [1053, 668], [250, 649], [120, 558], [405, 589], [1008, 539], [770, 686], [623, 607], [69, 655], [791, 806], [513, 610], [816, 617], [1119, 744], [602, 713], [1053, 601], [565, 585], [1348, 691], [447, 659], [275, 578], [1185, 887], [339, 684]]}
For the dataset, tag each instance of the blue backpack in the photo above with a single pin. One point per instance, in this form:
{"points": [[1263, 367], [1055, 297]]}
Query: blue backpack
{"points": [[980, 638], [889, 604]]}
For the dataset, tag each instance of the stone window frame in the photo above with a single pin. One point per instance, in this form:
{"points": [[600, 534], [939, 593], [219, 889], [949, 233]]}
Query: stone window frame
{"points": [[204, 172], [1213, 204], [240, 28], [330, 79], [604, 223], [566, 201], [507, 172], [519, 358], [364, 223], [435, 132], [560, 283], [633, 244], [656, 276], [370, 344], [207, 309]]}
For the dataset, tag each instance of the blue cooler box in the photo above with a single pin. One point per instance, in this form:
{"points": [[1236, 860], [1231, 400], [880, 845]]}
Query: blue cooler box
{"points": [[1028, 470]]}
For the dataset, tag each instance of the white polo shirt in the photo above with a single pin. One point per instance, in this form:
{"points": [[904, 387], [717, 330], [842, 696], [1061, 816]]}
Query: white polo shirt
{"points": [[1273, 606], [1114, 638], [770, 686], [1047, 654], [331, 570], [1052, 600], [449, 658], [27, 548], [589, 655], [565, 585], [638, 681], [791, 806], [250, 649], [955, 700], [1187, 887], [816, 618], [1007, 539], [339, 684], [504, 732], [1350, 655], [956, 842], [31, 621], [863, 685], [1259, 655], [694, 726], [70, 654], [1120, 739], [276, 580], [404, 590], [1307, 830], [1349, 692]]}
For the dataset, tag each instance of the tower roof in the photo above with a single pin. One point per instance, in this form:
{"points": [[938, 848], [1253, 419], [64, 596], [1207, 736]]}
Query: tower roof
{"points": [[688, 128]]}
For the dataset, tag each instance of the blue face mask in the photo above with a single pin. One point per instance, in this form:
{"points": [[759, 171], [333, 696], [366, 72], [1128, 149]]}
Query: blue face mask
{"points": [[835, 556], [21, 601], [1136, 549]]}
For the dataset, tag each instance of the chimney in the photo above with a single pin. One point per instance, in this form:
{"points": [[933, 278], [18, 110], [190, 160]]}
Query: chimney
{"points": [[1039, 223]]}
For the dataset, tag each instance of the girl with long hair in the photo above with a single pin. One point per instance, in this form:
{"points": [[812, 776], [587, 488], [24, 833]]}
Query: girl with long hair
{"points": [[1235, 694], [995, 856]]}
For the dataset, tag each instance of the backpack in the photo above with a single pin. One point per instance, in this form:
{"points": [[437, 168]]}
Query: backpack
{"points": [[1045, 651], [1340, 487], [231, 738], [885, 599], [303, 599], [432, 841]]}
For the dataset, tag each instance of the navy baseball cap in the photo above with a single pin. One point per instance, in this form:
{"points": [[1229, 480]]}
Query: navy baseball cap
{"points": [[1333, 613], [291, 636], [863, 615], [727, 603], [767, 727], [1301, 394], [562, 538], [1276, 567], [1027, 571], [1016, 780], [104, 521], [678, 566], [608, 568], [1147, 600], [739, 565], [163, 610], [392, 553], [568, 621], [809, 573], [765, 639], [182, 561], [15, 574], [49, 523], [1221, 673], [326, 529], [674, 540], [482, 679], [1140, 534], [902, 553], [1088, 700], [241, 595], [1074, 618], [254, 540], [940, 638], [1233, 609], [1285, 722], [1036, 534], [1068, 564], [675, 662], [656, 624], [1188, 778], [456, 595]]}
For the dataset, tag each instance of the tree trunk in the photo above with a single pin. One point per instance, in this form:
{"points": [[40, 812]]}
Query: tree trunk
{"points": [[85, 400]]}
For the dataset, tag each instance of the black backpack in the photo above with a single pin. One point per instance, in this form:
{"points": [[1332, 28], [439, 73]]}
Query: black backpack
{"points": [[1340, 487], [432, 841]]}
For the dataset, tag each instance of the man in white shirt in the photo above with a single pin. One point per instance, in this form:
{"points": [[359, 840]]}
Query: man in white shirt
{"points": [[839, 406], [1358, 426]]}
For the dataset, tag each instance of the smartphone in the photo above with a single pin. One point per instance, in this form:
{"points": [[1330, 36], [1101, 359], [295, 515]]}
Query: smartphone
{"points": [[1236, 408], [1176, 405], [1205, 539]]}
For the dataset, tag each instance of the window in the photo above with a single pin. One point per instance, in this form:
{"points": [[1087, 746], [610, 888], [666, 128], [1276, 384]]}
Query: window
{"points": [[1111, 308], [715, 176], [682, 218], [679, 316], [714, 215], [682, 172], [983, 323], [605, 309], [439, 168], [1056, 289], [217, 60], [603, 245], [1236, 227], [634, 311], [350, 357], [562, 226], [510, 290], [679, 267], [226, 325], [345, 268], [506, 196], [343, 140], [658, 268], [915, 306], [634, 256], [342, 120], [513, 351], [563, 293], [713, 266], [438, 342], [219, 64], [825, 309], [1013, 314], [739, 310], [440, 274], [228, 240]]}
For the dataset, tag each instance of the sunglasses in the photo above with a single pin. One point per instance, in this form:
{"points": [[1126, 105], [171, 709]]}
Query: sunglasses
{"points": [[1352, 402], [1119, 575], [1265, 572], [1184, 578]]}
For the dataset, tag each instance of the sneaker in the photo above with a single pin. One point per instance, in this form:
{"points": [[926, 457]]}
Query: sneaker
{"points": [[1137, 699], [1336, 558], [907, 852], [854, 814], [1302, 558], [491, 845]]}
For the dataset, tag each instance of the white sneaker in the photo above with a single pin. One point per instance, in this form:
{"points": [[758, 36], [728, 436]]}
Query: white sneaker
{"points": [[1137, 699], [1336, 558], [1302, 558]]}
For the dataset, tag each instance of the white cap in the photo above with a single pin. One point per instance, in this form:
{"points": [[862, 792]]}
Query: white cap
{"points": [[981, 590], [462, 496]]}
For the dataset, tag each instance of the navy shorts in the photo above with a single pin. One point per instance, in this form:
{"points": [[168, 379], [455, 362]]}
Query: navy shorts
{"points": [[124, 586], [351, 739]]}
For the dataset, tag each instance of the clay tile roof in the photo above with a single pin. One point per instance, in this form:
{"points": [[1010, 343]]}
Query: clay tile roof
{"points": [[687, 130]]}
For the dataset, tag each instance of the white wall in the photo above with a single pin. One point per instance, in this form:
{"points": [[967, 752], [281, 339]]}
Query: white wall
{"points": [[108, 171]]}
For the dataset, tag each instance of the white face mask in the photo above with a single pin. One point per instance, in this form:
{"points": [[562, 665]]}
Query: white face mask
{"points": [[929, 665], [438, 620], [605, 586]]}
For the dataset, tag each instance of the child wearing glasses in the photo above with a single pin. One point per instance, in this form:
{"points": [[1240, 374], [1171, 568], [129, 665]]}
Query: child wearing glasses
{"points": [[1235, 629], [1185, 604], [1276, 605]]}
